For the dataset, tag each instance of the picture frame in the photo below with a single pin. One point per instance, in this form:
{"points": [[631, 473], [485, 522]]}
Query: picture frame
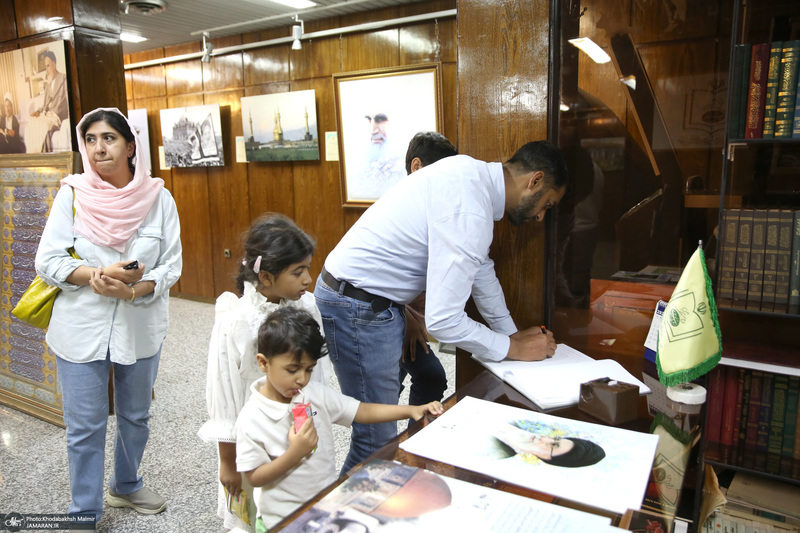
{"points": [[281, 126], [192, 136], [377, 113]]}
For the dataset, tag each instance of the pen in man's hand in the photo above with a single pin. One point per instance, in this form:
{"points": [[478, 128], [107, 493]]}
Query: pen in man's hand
{"points": [[544, 329]]}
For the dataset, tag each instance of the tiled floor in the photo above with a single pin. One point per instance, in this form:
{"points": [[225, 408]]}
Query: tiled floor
{"points": [[177, 464]]}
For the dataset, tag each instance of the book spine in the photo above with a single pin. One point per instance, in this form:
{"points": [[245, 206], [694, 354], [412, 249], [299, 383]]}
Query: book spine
{"points": [[737, 88], [780, 387], [784, 263], [742, 274], [730, 227], [771, 97], [737, 409], [765, 413], [743, 92], [715, 400], [796, 127], [751, 437], [790, 418], [745, 408], [787, 90], [796, 452], [770, 260], [755, 282], [759, 65], [794, 272], [731, 376]]}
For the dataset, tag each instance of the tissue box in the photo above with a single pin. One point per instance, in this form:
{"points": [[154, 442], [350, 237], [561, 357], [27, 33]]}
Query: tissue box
{"points": [[613, 402]]}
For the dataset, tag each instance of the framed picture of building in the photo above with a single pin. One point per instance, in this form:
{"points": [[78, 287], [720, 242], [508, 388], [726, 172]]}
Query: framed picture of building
{"points": [[281, 126], [377, 113], [192, 136]]}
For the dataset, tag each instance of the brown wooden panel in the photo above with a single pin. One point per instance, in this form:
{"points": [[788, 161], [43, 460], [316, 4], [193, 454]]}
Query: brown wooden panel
{"points": [[450, 102], [99, 57], [190, 189], [502, 105], [148, 82], [428, 42], [266, 65], [8, 21], [225, 71], [185, 76], [96, 14], [42, 16], [228, 193], [318, 58], [316, 184], [363, 51], [129, 86]]}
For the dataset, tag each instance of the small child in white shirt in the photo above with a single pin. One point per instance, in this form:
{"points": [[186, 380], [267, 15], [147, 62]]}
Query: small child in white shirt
{"points": [[288, 465]]}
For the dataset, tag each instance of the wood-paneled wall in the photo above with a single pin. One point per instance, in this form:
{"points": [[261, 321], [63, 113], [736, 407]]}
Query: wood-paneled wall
{"points": [[216, 205], [503, 64]]}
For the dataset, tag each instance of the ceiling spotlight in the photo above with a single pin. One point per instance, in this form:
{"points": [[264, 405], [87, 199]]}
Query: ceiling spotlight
{"points": [[208, 47], [297, 32]]}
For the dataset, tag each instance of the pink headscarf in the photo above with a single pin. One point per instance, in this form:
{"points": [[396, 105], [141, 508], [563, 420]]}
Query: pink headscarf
{"points": [[108, 216]]}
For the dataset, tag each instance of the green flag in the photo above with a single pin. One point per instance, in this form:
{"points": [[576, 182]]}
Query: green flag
{"points": [[689, 341]]}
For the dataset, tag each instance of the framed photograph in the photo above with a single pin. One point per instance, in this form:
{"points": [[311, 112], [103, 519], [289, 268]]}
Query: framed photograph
{"points": [[34, 84], [377, 114], [192, 136], [281, 126]]}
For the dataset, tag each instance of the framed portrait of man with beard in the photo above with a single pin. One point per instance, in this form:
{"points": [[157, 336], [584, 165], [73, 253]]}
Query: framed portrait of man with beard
{"points": [[378, 112]]}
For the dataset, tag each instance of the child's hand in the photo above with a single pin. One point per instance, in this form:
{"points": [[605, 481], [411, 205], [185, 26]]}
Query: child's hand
{"points": [[305, 439], [434, 408], [230, 478]]}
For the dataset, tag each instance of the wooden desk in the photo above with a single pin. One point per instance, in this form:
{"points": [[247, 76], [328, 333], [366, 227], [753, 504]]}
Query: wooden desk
{"points": [[488, 387]]}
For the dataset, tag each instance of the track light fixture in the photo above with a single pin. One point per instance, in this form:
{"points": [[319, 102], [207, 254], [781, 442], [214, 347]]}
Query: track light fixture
{"points": [[208, 47], [297, 32]]}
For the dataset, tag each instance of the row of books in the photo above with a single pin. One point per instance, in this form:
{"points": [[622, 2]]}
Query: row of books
{"points": [[765, 91], [727, 521], [754, 410], [760, 260]]}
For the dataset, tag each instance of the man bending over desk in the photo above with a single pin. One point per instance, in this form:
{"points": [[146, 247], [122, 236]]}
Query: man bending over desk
{"points": [[431, 232]]}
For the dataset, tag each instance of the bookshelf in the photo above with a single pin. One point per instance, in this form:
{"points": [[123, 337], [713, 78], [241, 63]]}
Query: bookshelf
{"points": [[753, 395]]}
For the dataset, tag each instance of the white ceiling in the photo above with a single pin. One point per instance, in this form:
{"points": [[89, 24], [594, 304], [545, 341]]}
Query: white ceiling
{"points": [[182, 17]]}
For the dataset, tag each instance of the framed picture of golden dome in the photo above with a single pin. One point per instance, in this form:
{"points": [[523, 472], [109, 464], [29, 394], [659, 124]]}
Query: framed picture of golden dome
{"points": [[281, 126]]}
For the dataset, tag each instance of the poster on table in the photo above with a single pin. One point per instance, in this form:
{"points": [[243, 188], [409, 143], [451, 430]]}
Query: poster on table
{"points": [[34, 116], [601, 466], [281, 126], [192, 136]]}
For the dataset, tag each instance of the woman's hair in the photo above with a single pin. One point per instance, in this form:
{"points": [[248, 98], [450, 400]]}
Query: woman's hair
{"points": [[116, 121], [278, 242], [583, 453], [291, 330]]}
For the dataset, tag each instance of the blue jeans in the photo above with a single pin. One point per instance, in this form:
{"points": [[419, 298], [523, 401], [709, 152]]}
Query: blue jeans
{"points": [[365, 349], [84, 393], [428, 378]]}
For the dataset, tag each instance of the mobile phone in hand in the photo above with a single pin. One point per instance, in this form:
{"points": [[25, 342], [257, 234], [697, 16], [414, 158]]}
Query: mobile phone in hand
{"points": [[131, 266]]}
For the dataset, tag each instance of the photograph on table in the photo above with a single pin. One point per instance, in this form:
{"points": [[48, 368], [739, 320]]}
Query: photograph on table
{"points": [[601, 466], [281, 126], [34, 117], [377, 114], [389, 496], [192, 136]]}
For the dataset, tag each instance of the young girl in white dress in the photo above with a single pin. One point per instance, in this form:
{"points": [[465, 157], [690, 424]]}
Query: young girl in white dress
{"points": [[273, 274]]}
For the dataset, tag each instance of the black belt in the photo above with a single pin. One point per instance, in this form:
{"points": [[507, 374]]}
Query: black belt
{"points": [[379, 303]]}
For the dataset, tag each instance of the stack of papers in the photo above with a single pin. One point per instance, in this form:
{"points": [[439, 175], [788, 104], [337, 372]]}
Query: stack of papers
{"points": [[556, 382]]}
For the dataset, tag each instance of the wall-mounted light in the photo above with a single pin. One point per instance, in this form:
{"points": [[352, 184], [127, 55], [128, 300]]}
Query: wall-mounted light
{"points": [[297, 32], [208, 47], [590, 48]]}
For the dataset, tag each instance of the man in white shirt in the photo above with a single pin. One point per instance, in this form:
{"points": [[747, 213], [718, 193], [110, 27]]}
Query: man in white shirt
{"points": [[431, 232]]}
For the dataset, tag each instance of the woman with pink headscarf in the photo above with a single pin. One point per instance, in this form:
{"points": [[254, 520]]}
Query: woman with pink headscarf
{"points": [[113, 308]]}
